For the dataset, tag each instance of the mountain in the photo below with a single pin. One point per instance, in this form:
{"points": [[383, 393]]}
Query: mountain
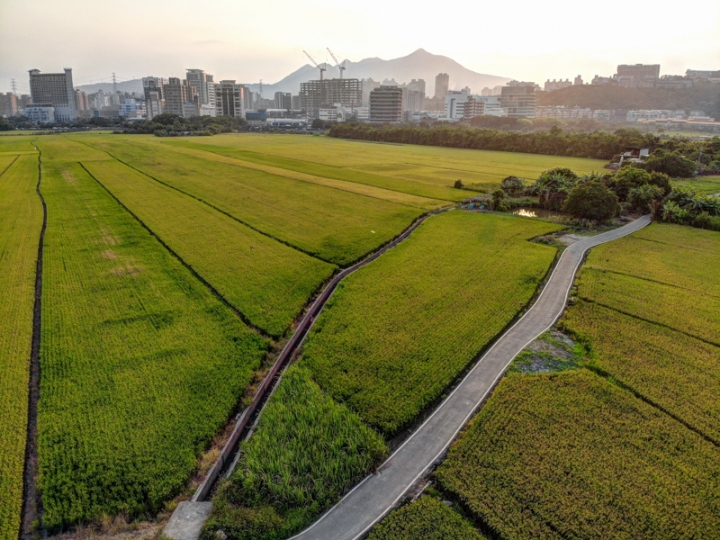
{"points": [[418, 65], [133, 85]]}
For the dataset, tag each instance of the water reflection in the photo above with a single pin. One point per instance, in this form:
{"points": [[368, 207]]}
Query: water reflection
{"points": [[535, 212]]}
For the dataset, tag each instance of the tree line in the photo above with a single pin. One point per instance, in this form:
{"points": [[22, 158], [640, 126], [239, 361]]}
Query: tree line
{"points": [[555, 142]]}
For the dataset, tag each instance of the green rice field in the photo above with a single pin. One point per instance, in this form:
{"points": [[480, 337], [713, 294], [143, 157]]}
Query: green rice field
{"points": [[20, 224], [173, 265]]}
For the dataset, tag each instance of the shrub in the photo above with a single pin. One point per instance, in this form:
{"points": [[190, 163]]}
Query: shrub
{"points": [[642, 198], [512, 185], [673, 213], [627, 179], [458, 184], [592, 200]]}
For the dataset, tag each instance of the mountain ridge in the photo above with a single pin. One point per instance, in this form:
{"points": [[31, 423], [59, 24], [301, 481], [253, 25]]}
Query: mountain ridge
{"points": [[420, 64]]}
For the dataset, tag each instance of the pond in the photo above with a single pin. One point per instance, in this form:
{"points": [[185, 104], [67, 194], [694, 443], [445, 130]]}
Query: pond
{"points": [[526, 211]]}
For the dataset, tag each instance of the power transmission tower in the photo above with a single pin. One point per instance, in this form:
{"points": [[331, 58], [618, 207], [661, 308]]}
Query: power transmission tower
{"points": [[114, 84], [261, 94], [14, 86]]}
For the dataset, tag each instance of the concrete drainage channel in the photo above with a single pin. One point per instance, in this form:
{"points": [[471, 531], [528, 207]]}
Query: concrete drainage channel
{"points": [[189, 516]]}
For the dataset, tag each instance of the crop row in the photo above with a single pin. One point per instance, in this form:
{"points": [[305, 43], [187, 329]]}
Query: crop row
{"points": [[571, 455], [427, 518], [141, 364], [423, 170], [332, 224], [306, 451], [398, 332], [20, 224], [266, 281]]}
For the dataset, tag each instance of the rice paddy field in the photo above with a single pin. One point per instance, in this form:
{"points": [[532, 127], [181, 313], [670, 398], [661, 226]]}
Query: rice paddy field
{"points": [[628, 446], [20, 224], [427, 518], [396, 333], [171, 267], [141, 364], [428, 171], [393, 337], [571, 455]]}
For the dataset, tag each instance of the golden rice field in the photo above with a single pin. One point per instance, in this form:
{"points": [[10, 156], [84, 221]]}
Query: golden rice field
{"points": [[570, 455]]}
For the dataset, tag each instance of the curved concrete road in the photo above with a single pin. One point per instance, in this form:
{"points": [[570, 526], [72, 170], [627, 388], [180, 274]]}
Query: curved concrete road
{"points": [[378, 493]]}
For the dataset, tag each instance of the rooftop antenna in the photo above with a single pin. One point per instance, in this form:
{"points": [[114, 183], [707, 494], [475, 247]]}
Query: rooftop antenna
{"points": [[339, 65], [14, 86], [114, 84]]}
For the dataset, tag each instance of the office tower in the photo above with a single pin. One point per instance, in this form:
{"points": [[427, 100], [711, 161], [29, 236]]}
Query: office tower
{"points": [[54, 90], [283, 100], [175, 93]]}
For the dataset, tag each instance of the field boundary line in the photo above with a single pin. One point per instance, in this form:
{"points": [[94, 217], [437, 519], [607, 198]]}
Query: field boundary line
{"points": [[271, 380], [9, 165], [31, 505], [648, 321], [612, 379], [340, 179], [227, 214], [258, 167], [182, 261], [585, 245], [616, 272]]}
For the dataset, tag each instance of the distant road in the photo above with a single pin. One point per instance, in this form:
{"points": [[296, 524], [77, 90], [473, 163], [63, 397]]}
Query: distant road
{"points": [[376, 495]]}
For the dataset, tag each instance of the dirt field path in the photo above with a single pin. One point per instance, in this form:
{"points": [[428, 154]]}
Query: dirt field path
{"points": [[375, 496]]}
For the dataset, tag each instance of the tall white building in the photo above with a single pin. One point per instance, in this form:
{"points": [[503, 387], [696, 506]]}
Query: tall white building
{"points": [[154, 99], [54, 90], [204, 86], [455, 104]]}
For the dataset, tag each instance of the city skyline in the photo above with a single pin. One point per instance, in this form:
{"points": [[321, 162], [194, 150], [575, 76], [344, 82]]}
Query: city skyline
{"points": [[248, 43]]}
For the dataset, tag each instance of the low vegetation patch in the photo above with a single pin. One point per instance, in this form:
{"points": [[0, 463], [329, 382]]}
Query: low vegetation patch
{"points": [[307, 450]]}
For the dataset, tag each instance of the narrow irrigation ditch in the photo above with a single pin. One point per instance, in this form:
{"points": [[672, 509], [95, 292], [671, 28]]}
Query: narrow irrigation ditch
{"points": [[31, 507]]}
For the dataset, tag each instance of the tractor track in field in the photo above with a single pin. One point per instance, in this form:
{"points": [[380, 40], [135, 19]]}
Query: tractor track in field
{"points": [[31, 505]]}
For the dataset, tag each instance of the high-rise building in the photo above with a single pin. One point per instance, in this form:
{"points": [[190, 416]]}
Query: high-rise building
{"points": [[518, 99], [578, 81], [283, 100], [368, 85], [54, 90], [638, 75], [442, 85], [414, 95], [315, 95], [230, 99], [8, 105], [204, 86], [154, 101], [386, 104], [175, 92]]}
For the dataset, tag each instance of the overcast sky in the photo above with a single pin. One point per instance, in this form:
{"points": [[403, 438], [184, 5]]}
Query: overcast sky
{"points": [[253, 40]]}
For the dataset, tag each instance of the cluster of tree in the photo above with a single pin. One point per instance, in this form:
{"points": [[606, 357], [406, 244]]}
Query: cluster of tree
{"points": [[701, 96], [600, 197], [556, 142], [169, 125]]}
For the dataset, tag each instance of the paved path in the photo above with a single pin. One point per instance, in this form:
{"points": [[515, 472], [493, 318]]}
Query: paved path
{"points": [[372, 498]]}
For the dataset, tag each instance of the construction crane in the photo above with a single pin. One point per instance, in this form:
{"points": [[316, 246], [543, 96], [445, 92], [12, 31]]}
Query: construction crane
{"points": [[322, 69], [339, 65]]}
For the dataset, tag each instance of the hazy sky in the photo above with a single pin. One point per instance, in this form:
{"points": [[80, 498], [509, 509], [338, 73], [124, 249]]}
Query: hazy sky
{"points": [[252, 40]]}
